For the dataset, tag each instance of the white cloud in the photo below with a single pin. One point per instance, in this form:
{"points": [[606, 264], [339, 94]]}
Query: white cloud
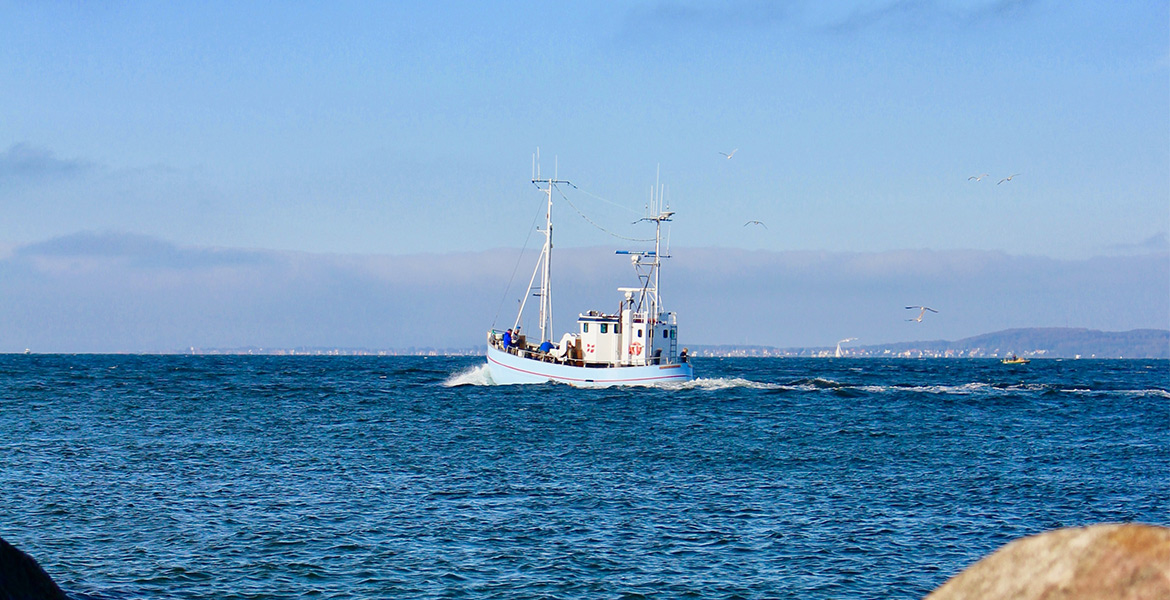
{"points": [[111, 292]]}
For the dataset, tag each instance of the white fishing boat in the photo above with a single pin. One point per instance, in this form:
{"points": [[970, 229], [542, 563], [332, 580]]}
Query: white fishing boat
{"points": [[637, 345]]}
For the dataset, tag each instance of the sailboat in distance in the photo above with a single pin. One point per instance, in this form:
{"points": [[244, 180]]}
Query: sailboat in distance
{"points": [[637, 345]]}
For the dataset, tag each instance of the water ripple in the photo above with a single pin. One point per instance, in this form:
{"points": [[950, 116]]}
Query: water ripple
{"points": [[342, 477]]}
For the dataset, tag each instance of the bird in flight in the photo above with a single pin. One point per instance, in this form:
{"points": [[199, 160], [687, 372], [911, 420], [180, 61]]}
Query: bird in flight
{"points": [[760, 223], [1008, 178], [977, 177], [730, 155], [920, 312]]}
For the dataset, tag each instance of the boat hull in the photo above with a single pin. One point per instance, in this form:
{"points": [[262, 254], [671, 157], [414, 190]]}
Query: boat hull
{"points": [[509, 369]]}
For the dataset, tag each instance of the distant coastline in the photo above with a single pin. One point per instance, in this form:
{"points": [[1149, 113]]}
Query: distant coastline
{"points": [[1035, 342]]}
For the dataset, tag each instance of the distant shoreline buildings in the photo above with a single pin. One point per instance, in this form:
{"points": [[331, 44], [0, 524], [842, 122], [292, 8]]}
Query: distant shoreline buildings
{"points": [[1028, 343], [1064, 343]]}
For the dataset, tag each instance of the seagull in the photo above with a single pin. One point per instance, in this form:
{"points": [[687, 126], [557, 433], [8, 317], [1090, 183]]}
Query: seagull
{"points": [[1008, 178], [730, 155], [977, 177], [921, 312], [760, 223]]}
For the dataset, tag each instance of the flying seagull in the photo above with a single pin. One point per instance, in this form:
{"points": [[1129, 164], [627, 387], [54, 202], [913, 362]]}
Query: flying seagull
{"points": [[1008, 178], [730, 155], [977, 177], [760, 223], [920, 312]]}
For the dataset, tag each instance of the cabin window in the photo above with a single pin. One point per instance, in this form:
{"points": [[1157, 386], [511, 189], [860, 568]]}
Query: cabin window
{"points": [[673, 333], [604, 328], [639, 333], [617, 327], [664, 334], [584, 328]]}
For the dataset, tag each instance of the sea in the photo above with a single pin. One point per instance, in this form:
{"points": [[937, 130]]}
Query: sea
{"points": [[271, 477]]}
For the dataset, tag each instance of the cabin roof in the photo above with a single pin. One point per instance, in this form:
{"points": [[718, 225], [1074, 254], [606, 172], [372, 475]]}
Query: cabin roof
{"points": [[597, 318]]}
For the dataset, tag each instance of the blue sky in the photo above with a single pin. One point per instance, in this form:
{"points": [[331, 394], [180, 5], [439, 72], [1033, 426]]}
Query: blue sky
{"points": [[394, 129]]}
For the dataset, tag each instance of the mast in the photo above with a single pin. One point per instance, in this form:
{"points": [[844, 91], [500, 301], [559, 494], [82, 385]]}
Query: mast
{"points": [[546, 272], [648, 266], [657, 254], [660, 215], [544, 266]]}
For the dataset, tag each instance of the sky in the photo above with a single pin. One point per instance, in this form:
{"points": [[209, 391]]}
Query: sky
{"points": [[115, 292], [157, 145]]}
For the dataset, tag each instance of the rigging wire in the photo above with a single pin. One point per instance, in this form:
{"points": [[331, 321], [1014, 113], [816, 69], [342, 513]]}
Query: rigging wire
{"points": [[520, 256], [588, 193], [590, 221], [532, 228]]}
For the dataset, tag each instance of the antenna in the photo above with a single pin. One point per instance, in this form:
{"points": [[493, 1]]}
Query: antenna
{"points": [[657, 184]]}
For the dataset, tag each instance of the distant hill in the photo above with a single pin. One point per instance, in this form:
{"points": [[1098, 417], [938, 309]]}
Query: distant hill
{"points": [[1037, 342]]}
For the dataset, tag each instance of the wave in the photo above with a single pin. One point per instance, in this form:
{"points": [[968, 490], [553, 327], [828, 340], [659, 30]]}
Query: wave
{"points": [[475, 375], [479, 375], [721, 383], [961, 389], [1155, 392]]}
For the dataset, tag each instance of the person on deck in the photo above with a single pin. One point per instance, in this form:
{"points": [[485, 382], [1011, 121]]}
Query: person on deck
{"points": [[507, 339]]}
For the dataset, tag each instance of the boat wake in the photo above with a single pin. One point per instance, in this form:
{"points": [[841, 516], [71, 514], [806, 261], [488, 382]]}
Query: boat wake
{"points": [[719, 383], [479, 375], [476, 375], [818, 384]]}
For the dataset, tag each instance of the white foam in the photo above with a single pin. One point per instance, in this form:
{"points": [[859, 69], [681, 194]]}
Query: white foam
{"points": [[479, 375], [723, 383], [1157, 393], [960, 390], [475, 375]]}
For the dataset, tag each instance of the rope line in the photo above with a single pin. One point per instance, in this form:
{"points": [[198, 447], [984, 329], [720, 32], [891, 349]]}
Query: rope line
{"points": [[590, 221], [531, 228], [588, 193]]}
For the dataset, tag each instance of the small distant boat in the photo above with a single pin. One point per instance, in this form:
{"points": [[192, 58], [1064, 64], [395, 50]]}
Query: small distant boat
{"points": [[1015, 360], [636, 345]]}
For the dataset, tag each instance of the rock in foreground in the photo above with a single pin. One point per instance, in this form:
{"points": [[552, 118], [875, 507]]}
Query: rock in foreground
{"points": [[1123, 562], [21, 578]]}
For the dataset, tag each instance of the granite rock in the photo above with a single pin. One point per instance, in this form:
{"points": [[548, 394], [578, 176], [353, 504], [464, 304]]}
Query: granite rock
{"points": [[1109, 561]]}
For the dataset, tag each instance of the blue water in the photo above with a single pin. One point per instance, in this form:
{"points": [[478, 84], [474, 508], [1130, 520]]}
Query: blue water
{"points": [[338, 477]]}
